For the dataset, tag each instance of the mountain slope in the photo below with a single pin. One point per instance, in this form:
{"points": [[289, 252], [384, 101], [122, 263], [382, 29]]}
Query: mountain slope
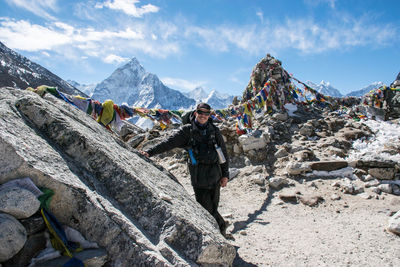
{"points": [[85, 88], [366, 89], [215, 99], [19, 72], [131, 84], [325, 88]]}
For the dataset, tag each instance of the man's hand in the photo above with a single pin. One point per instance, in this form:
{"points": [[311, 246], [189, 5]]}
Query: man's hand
{"points": [[223, 181], [144, 153]]}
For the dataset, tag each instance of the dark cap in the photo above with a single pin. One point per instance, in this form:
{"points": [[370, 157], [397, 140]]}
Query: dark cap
{"points": [[203, 106]]}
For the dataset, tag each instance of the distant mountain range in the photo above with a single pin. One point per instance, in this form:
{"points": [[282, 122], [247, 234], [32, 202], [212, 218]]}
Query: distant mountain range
{"points": [[130, 84], [85, 88], [215, 99], [366, 89], [19, 72], [326, 88]]}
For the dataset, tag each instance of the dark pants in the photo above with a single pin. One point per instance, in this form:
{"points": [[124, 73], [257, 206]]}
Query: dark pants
{"points": [[209, 199]]}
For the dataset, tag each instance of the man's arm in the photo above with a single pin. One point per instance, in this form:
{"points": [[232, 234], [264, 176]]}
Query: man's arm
{"points": [[179, 139]]}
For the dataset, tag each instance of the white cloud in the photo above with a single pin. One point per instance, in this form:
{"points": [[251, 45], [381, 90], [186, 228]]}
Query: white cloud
{"points": [[331, 3], [37, 7], [129, 7], [260, 14], [304, 35], [45, 54], [182, 84], [31, 37], [115, 59]]}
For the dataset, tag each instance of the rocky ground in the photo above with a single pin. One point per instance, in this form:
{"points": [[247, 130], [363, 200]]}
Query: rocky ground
{"points": [[284, 214]]}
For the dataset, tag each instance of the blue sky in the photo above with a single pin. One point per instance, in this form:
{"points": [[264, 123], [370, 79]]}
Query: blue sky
{"points": [[209, 43]]}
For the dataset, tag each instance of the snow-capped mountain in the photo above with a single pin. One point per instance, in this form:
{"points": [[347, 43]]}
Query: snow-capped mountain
{"points": [[85, 88], [215, 99], [197, 94], [19, 72], [325, 88], [131, 84], [366, 89]]}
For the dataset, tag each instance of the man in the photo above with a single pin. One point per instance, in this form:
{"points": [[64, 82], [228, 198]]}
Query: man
{"points": [[202, 139]]}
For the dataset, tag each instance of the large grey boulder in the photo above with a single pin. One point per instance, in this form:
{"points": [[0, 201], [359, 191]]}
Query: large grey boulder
{"points": [[103, 188], [12, 236], [18, 202]]}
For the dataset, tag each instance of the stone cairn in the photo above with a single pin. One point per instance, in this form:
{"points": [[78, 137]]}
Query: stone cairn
{"points": [[24, 238]]}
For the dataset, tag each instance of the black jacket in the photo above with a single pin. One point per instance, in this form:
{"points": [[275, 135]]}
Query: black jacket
{"points": [[202, 175]]}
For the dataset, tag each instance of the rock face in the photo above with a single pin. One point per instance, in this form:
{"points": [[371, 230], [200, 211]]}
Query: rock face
{"points": [[103, 188]]}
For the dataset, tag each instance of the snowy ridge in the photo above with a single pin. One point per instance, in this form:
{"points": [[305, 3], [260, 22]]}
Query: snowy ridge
{"points": [[366, 89], [215, 99], [19, 72], [325, 88]]}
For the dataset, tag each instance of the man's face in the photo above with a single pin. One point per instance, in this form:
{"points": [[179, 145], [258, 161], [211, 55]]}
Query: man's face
{"points": [[202, 115]]}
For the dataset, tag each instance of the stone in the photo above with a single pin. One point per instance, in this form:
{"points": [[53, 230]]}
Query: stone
{"points": [[295, 168], [372, 183], [376, 190], [304, 154], [233, 172], [365, 195], [280, 116], [136, 140], [368, 164], [108, 192], [236, 149], [328, 165], [18, 202], [382, 173], [34, 244], [258, 168], [252, 142], [306, 130], [335, 197], [368, 177], [259, 180], [310, 200], [288, 197], [394, 223], [90, 257], [12, 236], [281, 153], [277, 182], [352, 134], [33, 224], [386, 188], [396, 190]]}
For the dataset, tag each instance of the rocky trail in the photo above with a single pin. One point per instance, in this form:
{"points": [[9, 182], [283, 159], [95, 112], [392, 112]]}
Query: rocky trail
{"points": [[285, 214]]}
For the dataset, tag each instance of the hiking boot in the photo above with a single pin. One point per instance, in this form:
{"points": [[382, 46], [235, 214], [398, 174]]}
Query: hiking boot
{"points": [[223, 232]]}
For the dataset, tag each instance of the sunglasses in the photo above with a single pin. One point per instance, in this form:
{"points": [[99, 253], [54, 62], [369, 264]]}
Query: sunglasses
{"points": [[206, 113]]}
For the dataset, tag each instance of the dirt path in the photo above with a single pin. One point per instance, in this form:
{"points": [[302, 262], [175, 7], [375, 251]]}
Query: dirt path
{"points": [[270, 232]]}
